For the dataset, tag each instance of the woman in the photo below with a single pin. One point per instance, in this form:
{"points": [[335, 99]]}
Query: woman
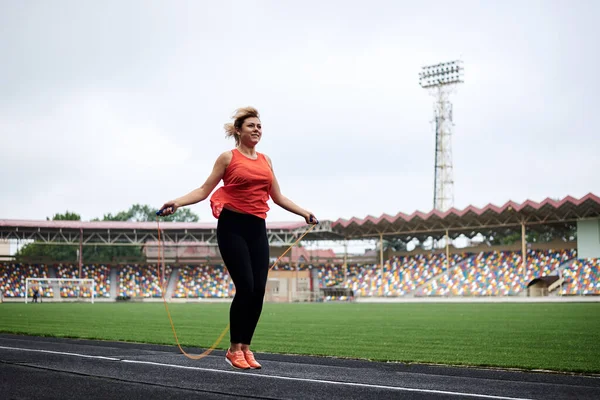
{"points": [[241, 209]]}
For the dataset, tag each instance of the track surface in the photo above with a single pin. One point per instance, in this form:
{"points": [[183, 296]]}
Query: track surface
{"points": [[51, 368]]}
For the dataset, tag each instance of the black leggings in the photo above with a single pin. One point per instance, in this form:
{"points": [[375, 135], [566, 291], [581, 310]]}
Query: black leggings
{"points": [[244, 248]]}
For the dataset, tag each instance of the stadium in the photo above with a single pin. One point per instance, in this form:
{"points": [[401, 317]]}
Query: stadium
{"points": [[564, 266], [389, 295], [458, 316]]}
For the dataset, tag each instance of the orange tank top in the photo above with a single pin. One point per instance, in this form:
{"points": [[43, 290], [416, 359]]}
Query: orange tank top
{"points": [[247, 184]]}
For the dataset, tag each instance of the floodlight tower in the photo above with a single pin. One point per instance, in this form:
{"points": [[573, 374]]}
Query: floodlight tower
{"points": [[441, 80]]}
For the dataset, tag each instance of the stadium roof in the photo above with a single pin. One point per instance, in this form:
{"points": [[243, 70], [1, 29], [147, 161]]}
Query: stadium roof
{"points": [[129, 233], [549, 214], [127, 225]]}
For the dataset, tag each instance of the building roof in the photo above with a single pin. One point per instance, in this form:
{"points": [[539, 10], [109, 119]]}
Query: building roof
{"points": [[302, 254], [133, 233], [127, 225], [472, 220], [548, 214]]}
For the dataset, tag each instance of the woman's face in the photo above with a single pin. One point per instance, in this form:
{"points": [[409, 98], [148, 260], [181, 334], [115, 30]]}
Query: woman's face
{"points": [[250, 132]]}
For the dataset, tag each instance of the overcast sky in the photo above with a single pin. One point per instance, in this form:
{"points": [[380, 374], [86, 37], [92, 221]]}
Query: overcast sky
{"points": [[104, 104]]}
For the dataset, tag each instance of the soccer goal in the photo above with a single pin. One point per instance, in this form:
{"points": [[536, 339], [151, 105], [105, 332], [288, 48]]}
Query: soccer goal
{"points": [[57, 289]]}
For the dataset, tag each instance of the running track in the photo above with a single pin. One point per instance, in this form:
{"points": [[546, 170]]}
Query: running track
{"points": [[50, 368]]}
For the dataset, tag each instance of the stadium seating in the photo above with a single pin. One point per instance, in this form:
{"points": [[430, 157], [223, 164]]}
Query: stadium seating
{"points": [[401, 275], [12, 279], [329, 274], [141, 280], [408, 273], [100, 274], [203, 281], [496, 273], [293, 267], [582, 277]]}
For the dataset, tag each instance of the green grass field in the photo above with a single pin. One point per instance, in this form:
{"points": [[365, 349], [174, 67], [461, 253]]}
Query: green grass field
{"points": [[551, 336]]}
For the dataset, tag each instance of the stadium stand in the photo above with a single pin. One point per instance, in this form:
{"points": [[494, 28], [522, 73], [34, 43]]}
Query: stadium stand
{"points": [[487, 270], [203, 281], [496, 273], [292, 267], [405, 274], [329, 274], [401, 274], [12, 279], [582, 277], [100, 274], [141, 280]]}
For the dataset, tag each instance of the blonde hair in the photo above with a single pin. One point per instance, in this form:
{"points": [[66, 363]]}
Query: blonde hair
{"points": [[239, 116]]}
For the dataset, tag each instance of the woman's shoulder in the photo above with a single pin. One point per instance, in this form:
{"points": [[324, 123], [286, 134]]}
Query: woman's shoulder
{"points": [[263, 155], [227, 154], [267, 158], [225, 158]]}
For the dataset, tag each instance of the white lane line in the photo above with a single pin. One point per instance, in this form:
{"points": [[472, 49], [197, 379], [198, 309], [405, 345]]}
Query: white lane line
{"points": [[61, 353], [328, 382]]}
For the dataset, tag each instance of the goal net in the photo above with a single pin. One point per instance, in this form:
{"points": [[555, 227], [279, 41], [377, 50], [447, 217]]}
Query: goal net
{"points": [[57, 289]]}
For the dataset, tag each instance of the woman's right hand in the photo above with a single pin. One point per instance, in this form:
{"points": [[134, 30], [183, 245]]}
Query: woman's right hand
{"points": [[169, 208], [310, 218]]}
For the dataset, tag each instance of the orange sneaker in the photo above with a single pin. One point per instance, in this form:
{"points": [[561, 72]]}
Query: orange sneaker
{"points": [[236, 359], [250, 360]]}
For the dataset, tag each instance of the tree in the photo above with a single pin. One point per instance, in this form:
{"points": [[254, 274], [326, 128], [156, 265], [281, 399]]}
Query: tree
{"points": [[67, 216], [394, 245], [50, 251], [507, 238], [548, 234], [145, 213]]}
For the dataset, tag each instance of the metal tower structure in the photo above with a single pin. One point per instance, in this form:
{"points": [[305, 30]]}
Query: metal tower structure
{"points": [[441, 80]]}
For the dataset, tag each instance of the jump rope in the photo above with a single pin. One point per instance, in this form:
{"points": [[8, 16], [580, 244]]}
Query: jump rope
{"points": [[163, 287]]}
